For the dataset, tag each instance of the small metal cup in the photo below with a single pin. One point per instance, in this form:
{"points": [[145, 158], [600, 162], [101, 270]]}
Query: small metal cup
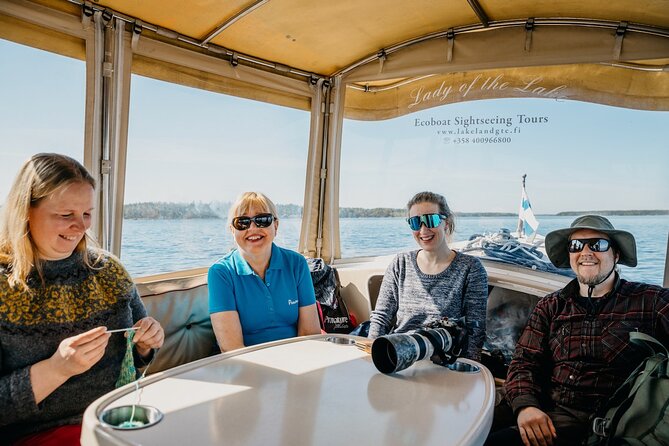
{"points": [[464, 367], [338, 340], [123, 418]]}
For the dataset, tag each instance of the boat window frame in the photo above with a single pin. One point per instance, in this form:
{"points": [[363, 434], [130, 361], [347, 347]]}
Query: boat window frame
{"points": [[107, 102]]}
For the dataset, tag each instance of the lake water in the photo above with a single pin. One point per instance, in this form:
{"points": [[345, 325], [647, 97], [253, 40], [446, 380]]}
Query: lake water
{"points": [[157, 246]]}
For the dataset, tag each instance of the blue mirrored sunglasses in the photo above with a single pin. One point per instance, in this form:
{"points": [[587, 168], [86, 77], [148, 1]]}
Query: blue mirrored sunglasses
{"points": [[429, 220]]}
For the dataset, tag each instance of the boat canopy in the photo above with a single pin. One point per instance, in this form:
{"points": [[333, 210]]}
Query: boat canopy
{"points": [[370, 60]]}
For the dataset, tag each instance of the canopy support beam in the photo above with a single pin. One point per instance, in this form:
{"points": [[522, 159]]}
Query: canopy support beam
{"points": [[331, 245], [310, 243], [323, 171], [223, 26], [567, 24], [214, 49], [480, 13], [108, 79], [666, 265]]}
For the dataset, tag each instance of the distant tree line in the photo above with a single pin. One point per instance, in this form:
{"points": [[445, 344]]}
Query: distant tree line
{"points": [[289, 210], [374, 212], [159, 210], [621, 213], [168, 210], [485, 214]]}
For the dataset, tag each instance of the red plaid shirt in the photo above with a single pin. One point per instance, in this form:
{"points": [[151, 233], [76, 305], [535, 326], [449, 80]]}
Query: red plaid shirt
{"points": [[576, 354]]}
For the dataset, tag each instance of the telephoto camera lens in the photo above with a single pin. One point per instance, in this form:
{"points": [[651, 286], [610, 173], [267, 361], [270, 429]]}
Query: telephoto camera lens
{"points": [[395, 352]]}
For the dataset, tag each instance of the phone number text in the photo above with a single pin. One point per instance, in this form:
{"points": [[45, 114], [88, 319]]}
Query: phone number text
{"points": [[479, 140]]}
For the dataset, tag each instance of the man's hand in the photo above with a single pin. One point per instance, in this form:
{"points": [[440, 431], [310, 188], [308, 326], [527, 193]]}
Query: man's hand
{"points": [[79, 353], [148, 334], [536, 428]]}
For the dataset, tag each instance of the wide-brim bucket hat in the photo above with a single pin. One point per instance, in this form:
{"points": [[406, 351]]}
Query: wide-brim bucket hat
{"points": [[557, 241]]}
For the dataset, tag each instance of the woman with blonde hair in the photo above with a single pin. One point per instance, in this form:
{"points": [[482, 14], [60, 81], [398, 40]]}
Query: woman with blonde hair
{"points": [[58, 297], [259, 292]]}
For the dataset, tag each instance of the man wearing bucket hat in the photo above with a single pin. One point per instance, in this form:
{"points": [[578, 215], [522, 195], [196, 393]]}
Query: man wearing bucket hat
{"points": [[575, 350]]}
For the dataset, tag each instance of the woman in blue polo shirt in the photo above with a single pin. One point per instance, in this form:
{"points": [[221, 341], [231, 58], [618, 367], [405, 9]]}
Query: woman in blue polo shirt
{"points": [[259, 292]]}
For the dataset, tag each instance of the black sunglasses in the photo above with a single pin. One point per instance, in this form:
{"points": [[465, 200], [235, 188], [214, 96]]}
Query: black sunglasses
{"points": [[595, 244], [243, 222], [429, 220]]}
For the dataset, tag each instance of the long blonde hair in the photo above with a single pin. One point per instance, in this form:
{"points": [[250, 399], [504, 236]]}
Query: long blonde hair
{"points": [[39, 177]]}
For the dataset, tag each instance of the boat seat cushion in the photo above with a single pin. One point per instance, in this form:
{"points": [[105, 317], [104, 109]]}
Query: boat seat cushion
{"points": [[507, 315], [181, 306], [373, 288]]}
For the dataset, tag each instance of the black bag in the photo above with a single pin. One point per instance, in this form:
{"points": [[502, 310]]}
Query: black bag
{"points": [[333, 313], [638, 412]]}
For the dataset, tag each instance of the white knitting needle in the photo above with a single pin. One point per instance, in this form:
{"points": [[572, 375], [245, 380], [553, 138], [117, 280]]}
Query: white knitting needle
{"points": [[121, 329]]}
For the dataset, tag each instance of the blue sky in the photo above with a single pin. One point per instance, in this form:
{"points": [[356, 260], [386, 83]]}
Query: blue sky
{"points": [[587, 156], [193, 145]]}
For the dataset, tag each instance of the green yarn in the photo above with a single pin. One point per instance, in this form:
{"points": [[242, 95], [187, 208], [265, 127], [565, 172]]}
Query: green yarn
{"points": [[132, 424], [128, 371]]}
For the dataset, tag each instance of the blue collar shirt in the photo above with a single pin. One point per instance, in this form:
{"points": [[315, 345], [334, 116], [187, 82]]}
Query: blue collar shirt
{"points": [[268, 310]]}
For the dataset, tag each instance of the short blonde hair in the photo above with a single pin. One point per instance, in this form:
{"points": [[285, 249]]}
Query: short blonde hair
{"points": [[40, 177], [247, 200]]}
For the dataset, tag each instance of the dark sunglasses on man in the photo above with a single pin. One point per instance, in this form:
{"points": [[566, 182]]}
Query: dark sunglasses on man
{"points": [[595, 244], [429, 220], [243, 222]]}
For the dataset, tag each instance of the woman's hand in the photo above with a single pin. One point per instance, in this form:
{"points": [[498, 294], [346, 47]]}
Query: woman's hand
{"points": [[74, 356], [148, 334], [79, 353]]}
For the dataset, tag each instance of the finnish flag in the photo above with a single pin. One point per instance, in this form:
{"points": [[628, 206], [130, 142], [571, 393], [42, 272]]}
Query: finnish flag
{"points": [[530, 223]]}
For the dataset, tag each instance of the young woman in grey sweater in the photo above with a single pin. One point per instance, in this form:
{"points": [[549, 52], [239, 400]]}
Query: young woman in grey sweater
{"points": [[434, 281]]}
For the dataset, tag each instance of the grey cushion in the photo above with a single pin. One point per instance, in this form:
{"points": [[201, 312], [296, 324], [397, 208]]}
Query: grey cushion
{"points": [[181, 306]]}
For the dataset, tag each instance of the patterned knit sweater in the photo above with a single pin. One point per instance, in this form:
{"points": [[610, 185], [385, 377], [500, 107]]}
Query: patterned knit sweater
{"points": [[416, 299], [73, 299]]}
